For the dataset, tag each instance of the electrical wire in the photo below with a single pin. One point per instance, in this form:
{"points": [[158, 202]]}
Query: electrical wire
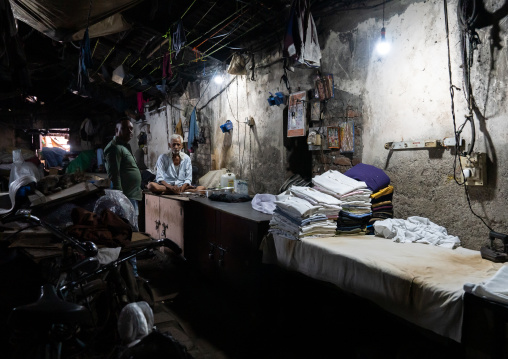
{"points": [[458, 132]]}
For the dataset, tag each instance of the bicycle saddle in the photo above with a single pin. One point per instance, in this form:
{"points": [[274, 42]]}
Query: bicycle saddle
{"points": [[49, 309]]}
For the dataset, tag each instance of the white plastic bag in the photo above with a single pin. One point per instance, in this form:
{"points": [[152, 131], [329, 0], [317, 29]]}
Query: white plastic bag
{"points": [[119, 204], [20, 168]]}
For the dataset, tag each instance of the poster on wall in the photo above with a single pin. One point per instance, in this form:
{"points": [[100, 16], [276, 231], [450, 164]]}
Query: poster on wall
{"points": [[296, 114], [332, 134], [324, 88], [347, 137], [315, 111]]}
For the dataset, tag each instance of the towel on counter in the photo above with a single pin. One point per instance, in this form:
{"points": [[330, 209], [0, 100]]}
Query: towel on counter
{"points": [[495, 289], [374, 177], [264, 202]]}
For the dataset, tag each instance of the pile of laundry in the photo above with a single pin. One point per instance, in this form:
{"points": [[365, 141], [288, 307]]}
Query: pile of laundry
{"points": [[354, 197], [382, 207], [338, 204], [295, 218]]}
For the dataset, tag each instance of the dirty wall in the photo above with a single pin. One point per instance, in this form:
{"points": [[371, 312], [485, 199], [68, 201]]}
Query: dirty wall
{"points": [[405, 96], [402, 96]]}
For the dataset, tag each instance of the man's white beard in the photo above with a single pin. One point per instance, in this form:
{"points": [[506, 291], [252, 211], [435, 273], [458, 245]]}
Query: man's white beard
{"points": [[175, 152]]}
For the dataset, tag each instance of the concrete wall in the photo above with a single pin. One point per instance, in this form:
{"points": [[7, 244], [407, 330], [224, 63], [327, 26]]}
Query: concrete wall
{"points": [[406, 97], [401, 96]]}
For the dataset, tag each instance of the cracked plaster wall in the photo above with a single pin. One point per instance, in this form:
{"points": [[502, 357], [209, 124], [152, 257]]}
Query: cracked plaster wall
{"points": [[402, 96], [406, 97]]}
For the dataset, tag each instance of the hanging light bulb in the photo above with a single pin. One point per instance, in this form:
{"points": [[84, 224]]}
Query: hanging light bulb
{"points": [[383, 47], [218, 79]]}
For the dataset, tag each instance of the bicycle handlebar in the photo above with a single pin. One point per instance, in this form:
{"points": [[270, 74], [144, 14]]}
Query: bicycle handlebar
{"points": [[89, 249], [166, 242]]}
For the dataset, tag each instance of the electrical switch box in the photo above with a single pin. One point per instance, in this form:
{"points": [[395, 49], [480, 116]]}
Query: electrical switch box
{"points": [[474, 169]]}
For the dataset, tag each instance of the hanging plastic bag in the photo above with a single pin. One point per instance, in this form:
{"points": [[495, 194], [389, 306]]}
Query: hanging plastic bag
{"points": [[21, 168], [237, 65], [227, 126]]}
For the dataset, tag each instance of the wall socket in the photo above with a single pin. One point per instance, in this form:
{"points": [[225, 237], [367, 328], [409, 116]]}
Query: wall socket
{"points": [[474, 169]]}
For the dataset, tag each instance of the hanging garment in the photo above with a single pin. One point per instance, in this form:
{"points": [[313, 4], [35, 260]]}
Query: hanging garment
{"points": [[193, 129], [141, 102], [301, 40], [179, 128], [87, 132], [179, 39], [166, 66], [85, 61]]}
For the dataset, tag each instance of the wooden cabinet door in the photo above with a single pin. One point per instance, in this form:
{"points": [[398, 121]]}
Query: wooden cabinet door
{"points": [[152, 218], [200, 232], [172, 220]]}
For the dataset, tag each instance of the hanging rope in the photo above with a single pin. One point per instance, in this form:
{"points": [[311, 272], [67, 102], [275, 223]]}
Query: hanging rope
{"points": [[188, 9], [222, 28], [218, 24], [96, 43]]}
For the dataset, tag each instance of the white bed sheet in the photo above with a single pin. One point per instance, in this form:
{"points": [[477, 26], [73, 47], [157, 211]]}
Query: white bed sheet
{"points": [[420, 283]]}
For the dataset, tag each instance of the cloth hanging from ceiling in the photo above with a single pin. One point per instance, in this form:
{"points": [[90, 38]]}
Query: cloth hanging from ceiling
{"points": [[301, 40], [193, 130], [141, 102], [179, 38], [166, 66], [85, 61], [179, 128]]}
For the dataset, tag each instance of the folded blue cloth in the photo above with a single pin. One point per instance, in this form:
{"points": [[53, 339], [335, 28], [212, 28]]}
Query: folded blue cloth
{"points": [[374, 177], [353, 215], [298, 220]]}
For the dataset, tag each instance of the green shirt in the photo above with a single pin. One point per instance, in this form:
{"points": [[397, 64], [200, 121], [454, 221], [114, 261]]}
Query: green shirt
{"points": [[122, 168]]}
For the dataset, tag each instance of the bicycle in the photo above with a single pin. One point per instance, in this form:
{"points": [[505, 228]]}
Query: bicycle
{"points": [[81, 305]]}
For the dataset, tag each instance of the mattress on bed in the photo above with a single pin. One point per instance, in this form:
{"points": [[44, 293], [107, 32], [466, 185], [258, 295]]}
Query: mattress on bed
{"points": [[420, 283]]}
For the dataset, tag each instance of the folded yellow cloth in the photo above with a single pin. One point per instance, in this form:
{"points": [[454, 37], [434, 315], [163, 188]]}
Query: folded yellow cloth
{"points": [[382, 192], [384, 203]]}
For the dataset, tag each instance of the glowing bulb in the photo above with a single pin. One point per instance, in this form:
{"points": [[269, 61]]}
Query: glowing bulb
{"points": [[383, 47], [218, 79]]}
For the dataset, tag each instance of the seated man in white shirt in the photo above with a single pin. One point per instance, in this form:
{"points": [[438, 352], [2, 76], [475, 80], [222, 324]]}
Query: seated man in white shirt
{"points": [[174, 171]]}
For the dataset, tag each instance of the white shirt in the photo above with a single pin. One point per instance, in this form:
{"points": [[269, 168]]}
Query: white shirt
{"points": [[166, 170]]}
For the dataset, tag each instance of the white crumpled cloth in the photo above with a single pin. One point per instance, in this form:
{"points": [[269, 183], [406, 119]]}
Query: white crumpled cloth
{"points": [[264, 202], [415, 229], [495, 289]]}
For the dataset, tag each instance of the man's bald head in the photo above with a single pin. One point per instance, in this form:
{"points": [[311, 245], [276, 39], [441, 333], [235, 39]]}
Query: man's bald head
{"points": [[124, 130]]}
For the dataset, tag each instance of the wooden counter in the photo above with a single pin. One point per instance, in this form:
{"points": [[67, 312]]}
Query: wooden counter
{"points": [[223, 239]]}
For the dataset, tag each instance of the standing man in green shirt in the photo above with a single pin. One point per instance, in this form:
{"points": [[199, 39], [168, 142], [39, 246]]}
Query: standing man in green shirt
{"points": [[121, 165], [122, 168]]}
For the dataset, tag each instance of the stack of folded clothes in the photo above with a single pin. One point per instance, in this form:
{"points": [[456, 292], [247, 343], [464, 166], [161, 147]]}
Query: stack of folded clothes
{"points": [[382, 207], [379, 183], [329, 205], [351, 223], [354, 196], [337, 184], [295, 218]]}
